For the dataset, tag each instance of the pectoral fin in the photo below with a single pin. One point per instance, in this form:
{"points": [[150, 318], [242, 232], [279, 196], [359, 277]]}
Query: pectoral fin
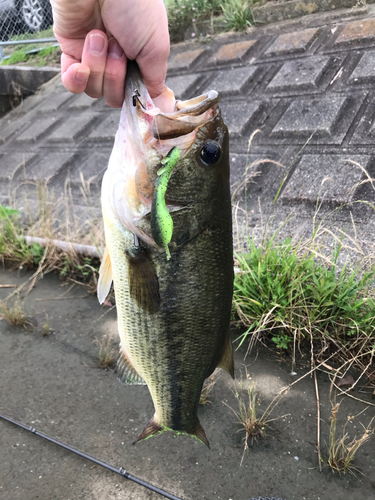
{"points": [[105, 277], [126, 373], [227, 362], [143, 281]]}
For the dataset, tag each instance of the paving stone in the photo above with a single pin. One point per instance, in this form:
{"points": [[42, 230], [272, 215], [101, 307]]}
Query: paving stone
{"points": [[91, 169], [184, 60], [365, 70], [237, 115], [37, 129], [55, 102], [300, 74], [365, 131], [357, 32], [47, 165], [232, 52], [330, 178], [231, 82], [305, 117], [72, 129], [293, 43], [11, 163], [82, 101], [107, 128], [182, 85], [9, 127]]}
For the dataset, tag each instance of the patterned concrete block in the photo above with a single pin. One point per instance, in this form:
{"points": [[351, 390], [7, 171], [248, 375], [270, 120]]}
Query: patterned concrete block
{"points": [[237, 115], [182, 85], [231, 82], [11, 163], [37, 129], [330, 178], [293, 43], [184, 60], [365, 70], [89, 169], [83, 101], [357, 32], [46, 166], [54, 102], [305, 117], [300, 74], [8, 129], [107, 127], [232, 52], [72, 128]]}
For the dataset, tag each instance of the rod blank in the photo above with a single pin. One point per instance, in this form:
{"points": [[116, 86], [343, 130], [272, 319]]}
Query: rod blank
{"points": [[121, 471]]}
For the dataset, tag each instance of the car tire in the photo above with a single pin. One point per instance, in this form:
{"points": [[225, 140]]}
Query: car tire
{"points": [[35, 15]]}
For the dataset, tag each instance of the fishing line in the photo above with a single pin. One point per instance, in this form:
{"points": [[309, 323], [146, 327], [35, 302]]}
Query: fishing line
{"points": [[121, 471]]}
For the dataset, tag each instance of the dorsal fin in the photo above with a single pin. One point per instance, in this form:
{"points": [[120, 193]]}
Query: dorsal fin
{"points": [[105, 277]]}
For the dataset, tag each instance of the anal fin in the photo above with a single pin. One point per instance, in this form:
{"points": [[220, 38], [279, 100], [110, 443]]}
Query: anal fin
{"points": [[126, 372], [227, 362]]}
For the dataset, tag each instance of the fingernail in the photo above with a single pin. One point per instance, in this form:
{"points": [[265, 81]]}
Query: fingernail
{"points": [[82, 76], [96, 44], [114, 50]]}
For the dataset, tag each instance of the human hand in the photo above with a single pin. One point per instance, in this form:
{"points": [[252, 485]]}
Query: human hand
{"points": [[98, 36]]}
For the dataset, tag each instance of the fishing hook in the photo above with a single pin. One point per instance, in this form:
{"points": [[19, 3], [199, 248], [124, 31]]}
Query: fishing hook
{"points": [[136, 96]]}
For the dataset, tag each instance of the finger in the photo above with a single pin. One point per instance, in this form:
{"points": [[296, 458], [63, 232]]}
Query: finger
{"points": [[74, 75], [94, 56], [114, 75]]}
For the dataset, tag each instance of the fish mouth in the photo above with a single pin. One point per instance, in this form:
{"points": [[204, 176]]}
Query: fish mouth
{"points": [[180, 126], [164, 122], [148, 130]]}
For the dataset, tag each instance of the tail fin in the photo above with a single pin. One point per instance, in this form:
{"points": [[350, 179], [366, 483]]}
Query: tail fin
{"points": [[199, 434], [152, 428]]}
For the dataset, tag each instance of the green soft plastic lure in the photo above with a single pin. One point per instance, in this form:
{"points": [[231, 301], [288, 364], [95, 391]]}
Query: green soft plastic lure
{"points": [[161, 220]]}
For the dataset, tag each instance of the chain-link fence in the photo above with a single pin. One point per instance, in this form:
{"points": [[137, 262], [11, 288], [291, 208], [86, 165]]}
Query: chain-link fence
{"points": [[21, 17], [24, 22]]}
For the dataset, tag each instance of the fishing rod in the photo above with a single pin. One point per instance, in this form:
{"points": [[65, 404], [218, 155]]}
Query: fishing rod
{"points": [[121, 471]]}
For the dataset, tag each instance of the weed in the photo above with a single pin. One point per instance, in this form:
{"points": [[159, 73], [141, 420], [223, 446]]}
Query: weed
{"points": [[251, 421], [283, 291], [46, 328], [14, 315], [12, 243], [207, 388], [341, 453], [107, 354], [238, 14]]}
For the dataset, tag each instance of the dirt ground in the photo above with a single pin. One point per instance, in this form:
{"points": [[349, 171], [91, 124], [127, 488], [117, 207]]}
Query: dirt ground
{"points": [[54, 383]]}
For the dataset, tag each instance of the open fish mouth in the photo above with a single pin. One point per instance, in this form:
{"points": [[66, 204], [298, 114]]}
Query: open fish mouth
{"points": [[179, 124], [148, 130]]}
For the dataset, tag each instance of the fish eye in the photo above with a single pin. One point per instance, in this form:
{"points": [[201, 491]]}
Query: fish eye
{"points": [[210, 152]]}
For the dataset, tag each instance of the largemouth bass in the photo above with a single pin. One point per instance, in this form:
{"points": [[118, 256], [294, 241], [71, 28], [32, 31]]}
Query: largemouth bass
{"points": [[173, 313]]}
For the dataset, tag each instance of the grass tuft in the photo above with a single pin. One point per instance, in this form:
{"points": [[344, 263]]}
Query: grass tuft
{"points": [[238, 15], [14, 315], [250, 419], [342, 453], [107, 354]]}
